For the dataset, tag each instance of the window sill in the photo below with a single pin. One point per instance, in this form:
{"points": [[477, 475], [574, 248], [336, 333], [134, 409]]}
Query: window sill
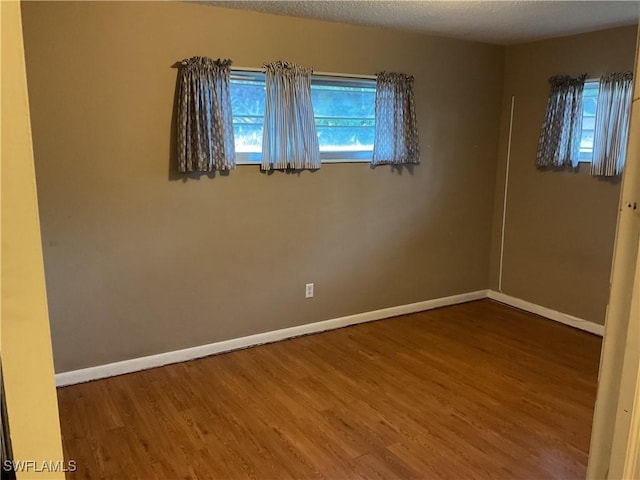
{"points": [[242, 163]]}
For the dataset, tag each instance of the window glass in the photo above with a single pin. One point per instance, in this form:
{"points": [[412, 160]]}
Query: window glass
{"points": [[344, 110], [589, 104], [247, 104]]}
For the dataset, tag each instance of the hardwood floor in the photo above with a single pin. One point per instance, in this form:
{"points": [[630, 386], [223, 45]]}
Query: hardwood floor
{"points": [[478, 390]]}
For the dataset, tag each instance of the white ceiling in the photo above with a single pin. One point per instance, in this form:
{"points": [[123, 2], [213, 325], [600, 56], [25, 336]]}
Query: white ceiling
{"points": [[499, 22]]}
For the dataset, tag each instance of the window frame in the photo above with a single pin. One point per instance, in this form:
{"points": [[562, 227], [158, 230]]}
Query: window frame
{"points": [[317, 78]]}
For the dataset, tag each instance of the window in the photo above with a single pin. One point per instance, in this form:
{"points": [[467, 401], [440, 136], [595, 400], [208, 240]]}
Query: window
{"points": [[247, 105], [344, 110], [589, 104]]}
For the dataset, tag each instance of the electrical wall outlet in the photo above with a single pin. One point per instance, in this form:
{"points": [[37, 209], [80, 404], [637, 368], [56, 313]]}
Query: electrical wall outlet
{"points": [[308, 291]]}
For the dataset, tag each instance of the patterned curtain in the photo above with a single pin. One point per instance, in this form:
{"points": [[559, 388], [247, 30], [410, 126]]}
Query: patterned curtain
{"points": [[612, 124], [205, 122], [559, 143], [289, 136], [396, 134]]}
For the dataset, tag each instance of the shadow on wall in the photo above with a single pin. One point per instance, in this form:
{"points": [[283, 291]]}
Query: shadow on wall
{"points": [[615, 180]]}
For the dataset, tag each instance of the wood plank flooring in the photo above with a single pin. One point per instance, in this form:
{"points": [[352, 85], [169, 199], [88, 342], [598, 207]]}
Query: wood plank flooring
{"points": [[478, 390]]}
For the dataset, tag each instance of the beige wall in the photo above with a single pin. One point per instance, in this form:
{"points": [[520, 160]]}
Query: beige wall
{"points": [[26, 343], [560, 226], [141, 261]]}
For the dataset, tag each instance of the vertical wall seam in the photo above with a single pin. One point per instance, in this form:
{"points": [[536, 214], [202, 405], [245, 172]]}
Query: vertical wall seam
{"points": [[506, 189]]}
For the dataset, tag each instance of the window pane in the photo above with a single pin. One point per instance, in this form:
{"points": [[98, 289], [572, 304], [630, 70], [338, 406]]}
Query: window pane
{"points": [[588, 123], [589, 104], [345, 116], [247, 103]]}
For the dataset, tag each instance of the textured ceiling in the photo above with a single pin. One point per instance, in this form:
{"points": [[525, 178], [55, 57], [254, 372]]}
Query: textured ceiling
{"points": [[499, 22]]}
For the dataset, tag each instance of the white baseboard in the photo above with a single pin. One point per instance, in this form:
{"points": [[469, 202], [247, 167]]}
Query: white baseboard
{"points": [[570, 320], [152, 361], [158, 360]]}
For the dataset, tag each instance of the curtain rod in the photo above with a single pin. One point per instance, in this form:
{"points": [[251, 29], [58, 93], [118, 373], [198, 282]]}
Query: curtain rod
{"points": [[322, 74]]}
